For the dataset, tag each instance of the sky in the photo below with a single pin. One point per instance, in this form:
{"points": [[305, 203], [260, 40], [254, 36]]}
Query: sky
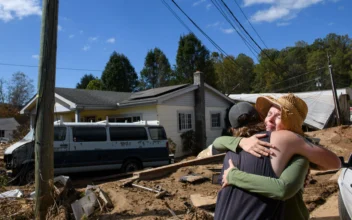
{"points": [[89, 31]]}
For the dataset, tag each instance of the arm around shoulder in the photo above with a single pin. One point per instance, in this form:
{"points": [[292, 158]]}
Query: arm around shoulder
{"points": [[226, 143]]}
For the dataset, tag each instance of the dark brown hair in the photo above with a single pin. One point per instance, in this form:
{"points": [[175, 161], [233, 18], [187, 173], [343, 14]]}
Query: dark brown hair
{"points": [[248, 130]]}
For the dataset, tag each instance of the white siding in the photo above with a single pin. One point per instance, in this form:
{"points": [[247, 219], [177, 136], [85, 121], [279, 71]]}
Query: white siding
{"points": [[60, 108], [213, 133], [214, 100], [148, 113], [181, 100], [167, 115]]}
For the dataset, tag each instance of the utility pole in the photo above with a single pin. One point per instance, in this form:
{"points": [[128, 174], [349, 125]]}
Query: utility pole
{"points": [[44, 124], [336, 101]]}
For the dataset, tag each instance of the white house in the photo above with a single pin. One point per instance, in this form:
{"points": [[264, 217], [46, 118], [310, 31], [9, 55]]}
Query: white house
{"points": [[7, 127], [178, 108]]}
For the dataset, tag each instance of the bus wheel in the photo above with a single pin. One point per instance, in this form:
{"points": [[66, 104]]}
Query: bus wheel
{"points": [[131, 165]]}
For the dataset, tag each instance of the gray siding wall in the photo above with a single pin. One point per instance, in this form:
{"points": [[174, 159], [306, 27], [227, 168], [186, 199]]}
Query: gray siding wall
{"points": [[182, 100], [214, 100]]}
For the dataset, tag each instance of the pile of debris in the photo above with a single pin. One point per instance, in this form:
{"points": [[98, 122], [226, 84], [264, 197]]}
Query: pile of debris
{"points": [[69, 203], [185, 190]]}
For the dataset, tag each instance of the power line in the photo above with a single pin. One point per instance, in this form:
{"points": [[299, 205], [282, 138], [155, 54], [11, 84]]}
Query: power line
{"points": [[245, 37], [250, 24], [59, 68], [177, 17], [294, 85], [299, 75], [229, 10], [244, 29], [250, 47], [211, 41]]}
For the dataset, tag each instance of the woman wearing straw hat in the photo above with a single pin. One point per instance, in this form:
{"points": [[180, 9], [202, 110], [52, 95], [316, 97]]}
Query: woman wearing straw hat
{"points": [[285, 113]]}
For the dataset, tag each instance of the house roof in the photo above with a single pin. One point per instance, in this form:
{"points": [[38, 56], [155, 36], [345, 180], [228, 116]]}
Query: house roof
{"points": [[320, 104], [84, 97], [8, 124], [156, 92]]}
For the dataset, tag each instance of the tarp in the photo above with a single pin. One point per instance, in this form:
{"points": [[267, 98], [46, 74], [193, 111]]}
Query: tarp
{"points": [[320, 104]]}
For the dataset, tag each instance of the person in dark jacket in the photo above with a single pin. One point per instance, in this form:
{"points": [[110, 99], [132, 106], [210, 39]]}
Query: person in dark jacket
{"points": [[236, 203]]}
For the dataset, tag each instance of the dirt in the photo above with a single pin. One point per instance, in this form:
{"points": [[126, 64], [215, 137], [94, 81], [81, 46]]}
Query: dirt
{"points": [[336, 139], [135, 203], [328, 209]]}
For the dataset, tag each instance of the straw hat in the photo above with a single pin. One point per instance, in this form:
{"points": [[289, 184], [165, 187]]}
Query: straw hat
{"points": [[293, 110]]}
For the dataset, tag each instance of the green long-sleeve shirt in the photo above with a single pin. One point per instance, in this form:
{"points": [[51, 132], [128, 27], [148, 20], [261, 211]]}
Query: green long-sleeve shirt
{"points": [[288, 187]]}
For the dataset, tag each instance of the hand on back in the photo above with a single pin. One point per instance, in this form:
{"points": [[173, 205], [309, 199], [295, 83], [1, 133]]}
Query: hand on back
{"points": [[255, 146]]}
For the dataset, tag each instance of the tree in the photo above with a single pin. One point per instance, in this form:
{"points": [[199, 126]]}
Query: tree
{"points": [[225, 71], [267, 72], [192, 55], [95, 84], [20, 89], [234, 75], [85, 80], [244, 74], [119, 75], [156, 71]]}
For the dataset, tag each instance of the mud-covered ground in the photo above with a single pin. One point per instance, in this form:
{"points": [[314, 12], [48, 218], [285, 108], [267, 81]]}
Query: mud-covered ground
{"points": [[134, 203]]}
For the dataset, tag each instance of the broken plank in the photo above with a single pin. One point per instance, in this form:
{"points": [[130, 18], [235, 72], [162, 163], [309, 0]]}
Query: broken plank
{"points": [[324, 172], [127, 182], [335, 177], [206, 202], [165, 170], [105, 198]]}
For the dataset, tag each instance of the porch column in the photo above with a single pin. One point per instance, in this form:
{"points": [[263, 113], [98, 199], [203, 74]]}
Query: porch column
{"points": [[77, 116], [31, 121]]}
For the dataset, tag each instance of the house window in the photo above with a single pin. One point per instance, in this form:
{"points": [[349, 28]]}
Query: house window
{"points": [[2, 133], [184, 121], [215, 119]]}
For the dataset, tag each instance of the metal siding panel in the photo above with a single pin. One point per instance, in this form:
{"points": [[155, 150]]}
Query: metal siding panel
{"points": [[182, 100], [213, 100]]}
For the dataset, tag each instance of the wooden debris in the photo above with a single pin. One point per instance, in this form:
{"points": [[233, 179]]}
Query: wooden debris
{"points": [[205, 202], [165, 170], [105, 198], [335, 177], [85, 206], [318, 172], [128, 182]]}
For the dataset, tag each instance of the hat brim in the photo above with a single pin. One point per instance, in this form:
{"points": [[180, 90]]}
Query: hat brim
{"points": [[263, 104]]}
